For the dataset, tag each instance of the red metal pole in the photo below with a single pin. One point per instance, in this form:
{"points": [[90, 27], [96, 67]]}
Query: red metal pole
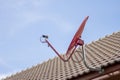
{"points": [[65, 60]]}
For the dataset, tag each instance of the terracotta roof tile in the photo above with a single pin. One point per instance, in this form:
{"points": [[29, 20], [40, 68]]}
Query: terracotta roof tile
{"points": [[102, 53]]}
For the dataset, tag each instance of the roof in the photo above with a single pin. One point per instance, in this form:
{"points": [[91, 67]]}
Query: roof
{"points": [[104, 53]]}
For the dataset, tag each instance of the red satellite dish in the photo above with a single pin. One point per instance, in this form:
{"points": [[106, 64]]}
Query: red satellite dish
{"points": [[74, 43], [77, 36]]}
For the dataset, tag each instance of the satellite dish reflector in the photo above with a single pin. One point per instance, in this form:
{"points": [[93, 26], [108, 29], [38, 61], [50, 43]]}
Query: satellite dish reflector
{"points": [[74, 43], [76, 39]]}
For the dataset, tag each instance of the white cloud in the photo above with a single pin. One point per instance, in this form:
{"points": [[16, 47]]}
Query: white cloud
{"points": [[26, 12], [5, 65], [28, 18], [5, 75], [20, 13], [2, 76]]}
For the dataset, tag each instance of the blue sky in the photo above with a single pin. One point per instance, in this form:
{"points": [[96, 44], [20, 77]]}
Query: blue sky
{"points": [[22, 22]]}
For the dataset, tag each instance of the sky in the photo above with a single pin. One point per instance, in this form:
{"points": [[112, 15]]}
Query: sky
{"points": [[22, 22]]}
